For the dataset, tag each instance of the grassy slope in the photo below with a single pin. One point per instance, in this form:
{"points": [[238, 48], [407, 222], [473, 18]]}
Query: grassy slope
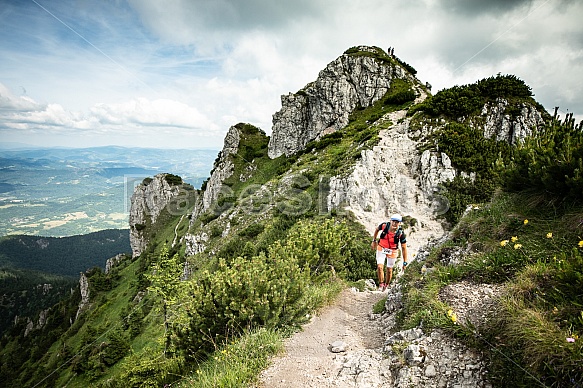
{"points": [[534, 250]]}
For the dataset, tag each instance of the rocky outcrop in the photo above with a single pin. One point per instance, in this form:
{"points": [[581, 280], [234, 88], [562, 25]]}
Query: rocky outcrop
{"points": [[46, 288], [84, 288], [113, 261], [500, 124], [42, 321], [417, 357], [323, 106], [222, 169], [394, 178], [196, 243], [149, 199]]}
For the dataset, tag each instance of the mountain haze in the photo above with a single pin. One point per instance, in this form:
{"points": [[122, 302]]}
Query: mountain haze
{"points": [[218, 276]]}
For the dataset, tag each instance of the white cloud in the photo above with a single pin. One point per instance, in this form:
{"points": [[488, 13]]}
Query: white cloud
{"points": [[160, 113], [11, 103], [130, 120]]}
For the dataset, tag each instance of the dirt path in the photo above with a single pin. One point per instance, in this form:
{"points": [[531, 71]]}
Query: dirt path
{"points": [[308, 361]]}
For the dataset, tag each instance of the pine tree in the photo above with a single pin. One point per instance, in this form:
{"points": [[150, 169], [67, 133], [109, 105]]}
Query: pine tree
{"points": [[165, 283]]}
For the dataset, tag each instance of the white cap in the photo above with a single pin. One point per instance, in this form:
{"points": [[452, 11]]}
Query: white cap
{"points": [[396, 217]]}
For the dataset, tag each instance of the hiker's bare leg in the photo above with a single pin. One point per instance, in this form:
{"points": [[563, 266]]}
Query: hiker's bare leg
{"points": [[389, 275], [381, 273]]}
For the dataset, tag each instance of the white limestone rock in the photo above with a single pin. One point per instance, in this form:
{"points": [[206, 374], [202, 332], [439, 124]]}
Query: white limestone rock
{"points": [[149, 199], [323, 106]]}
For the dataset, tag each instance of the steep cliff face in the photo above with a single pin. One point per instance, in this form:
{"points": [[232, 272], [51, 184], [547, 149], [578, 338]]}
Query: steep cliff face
{"points": [[148, 201], [222, 169], [235, 164], [323, 106]]}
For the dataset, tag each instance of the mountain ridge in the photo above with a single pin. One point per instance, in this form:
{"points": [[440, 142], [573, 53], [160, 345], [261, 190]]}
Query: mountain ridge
{"points": [[281, 236]]}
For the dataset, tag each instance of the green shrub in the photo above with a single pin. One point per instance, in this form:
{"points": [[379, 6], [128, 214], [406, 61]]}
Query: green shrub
{"points": [[461, 101], [379, 307], [231, 248], [549, 162], [216, 231], [263, 291], [407, 66], [148, 369], [116, 348], [173, 180], [252, 230], [470, 151], [461, 192], [400, 97], [207, 217], [321, 246], [378, 53]]}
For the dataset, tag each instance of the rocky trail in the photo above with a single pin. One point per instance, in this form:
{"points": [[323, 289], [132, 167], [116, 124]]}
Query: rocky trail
{"points": [[346, 345], [310, 359]]}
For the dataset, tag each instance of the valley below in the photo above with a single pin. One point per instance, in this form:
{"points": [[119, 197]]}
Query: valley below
{"points": [[63, 192]]}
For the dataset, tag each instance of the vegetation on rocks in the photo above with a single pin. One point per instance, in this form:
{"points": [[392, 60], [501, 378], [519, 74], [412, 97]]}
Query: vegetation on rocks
{"points": [[531, 240], [462, 101]]}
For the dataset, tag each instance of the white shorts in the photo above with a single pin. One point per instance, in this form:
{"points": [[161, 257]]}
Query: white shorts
{"points": [[388, 255]]}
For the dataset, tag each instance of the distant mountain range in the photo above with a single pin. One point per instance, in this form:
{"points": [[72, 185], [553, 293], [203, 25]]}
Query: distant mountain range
{"points": [[69, 191]]}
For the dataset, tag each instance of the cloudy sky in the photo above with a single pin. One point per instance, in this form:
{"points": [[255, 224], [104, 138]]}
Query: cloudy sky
{"points": [[179, 73]]}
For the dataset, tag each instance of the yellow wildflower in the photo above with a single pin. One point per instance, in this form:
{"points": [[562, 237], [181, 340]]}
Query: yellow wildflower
{"points": [[449, 312], [454, 317], [514, 238], [525, 222], [550, 235], [581, 244], [517, 246], [503, 243]]}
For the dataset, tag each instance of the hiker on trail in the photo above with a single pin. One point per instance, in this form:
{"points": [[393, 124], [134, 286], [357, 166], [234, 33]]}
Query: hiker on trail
{"points": [[387, 247]]}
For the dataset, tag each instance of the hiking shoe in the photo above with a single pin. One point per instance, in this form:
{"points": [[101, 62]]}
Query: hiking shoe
{"points": [[382, 286]]}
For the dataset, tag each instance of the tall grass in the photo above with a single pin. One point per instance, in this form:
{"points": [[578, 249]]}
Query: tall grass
{"points": [[237, 364]]}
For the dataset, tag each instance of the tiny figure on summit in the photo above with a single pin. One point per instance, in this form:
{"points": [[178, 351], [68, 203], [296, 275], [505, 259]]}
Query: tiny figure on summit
{"points": [[387, 248]]}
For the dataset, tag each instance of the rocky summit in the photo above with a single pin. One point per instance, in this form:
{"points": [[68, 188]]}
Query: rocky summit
{"points": [[323, 106]]}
